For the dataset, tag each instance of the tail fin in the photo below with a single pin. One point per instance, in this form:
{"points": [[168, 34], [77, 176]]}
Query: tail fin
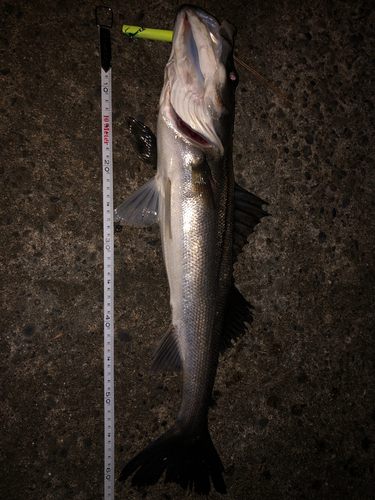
{"points": [[189, 460]]}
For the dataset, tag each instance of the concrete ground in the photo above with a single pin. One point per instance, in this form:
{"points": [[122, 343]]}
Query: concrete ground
{"points": [[294, 408]]}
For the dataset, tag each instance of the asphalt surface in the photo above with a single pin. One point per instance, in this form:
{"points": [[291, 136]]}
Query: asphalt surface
{"points": [[293, 415]]}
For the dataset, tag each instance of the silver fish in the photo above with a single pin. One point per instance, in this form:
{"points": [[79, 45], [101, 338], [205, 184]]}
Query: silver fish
{"points": [[205, 220]]}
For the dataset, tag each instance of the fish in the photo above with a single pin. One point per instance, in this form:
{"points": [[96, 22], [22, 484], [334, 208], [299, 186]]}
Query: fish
{"points": [[205, 219]]}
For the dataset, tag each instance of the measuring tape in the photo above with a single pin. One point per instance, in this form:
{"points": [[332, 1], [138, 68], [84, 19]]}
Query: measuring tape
{"points": [[108, 247]]}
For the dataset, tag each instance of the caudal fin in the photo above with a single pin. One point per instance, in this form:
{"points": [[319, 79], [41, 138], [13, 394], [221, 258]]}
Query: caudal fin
{"points": [[189, 461]]}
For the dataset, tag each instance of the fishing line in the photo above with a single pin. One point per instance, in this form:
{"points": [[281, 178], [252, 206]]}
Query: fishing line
{"points": [[167, 36], [108, 245]]}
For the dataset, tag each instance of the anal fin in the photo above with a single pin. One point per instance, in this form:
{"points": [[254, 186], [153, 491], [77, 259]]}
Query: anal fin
{"points": [[167, 355]]}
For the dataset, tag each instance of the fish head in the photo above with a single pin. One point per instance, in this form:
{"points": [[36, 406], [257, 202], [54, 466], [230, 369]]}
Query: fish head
{"points": [[197, 99]]}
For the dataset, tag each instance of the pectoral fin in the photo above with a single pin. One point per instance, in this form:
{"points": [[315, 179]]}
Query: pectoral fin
{"points": [[140, 208], [144, 141]]}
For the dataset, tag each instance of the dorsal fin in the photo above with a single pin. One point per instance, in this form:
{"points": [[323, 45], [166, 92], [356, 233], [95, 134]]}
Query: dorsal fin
{"points": [[247, 213], [237, 313]]}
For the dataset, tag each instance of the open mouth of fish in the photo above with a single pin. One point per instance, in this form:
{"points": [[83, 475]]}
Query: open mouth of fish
{"points": [[194, 100]]}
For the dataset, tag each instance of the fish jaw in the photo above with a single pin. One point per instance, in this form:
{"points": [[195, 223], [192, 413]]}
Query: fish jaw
{"points": [[197, 99]]}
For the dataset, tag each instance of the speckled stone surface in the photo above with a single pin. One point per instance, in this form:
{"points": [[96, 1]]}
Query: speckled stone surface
{"points": [[293, 415]]}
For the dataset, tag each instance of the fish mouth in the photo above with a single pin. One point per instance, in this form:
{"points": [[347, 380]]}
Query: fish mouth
{"points": [[188, 131], [194, 97]]}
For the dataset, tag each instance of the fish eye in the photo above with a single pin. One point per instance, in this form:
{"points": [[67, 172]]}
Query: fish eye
{"points": [[233, 76]]}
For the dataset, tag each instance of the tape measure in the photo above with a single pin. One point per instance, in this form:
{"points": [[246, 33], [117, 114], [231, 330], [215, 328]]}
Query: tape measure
{"points": [[108, 251]]}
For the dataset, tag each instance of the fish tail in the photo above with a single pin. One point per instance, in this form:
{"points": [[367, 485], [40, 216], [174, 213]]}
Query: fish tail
{"points": [[189, 460]]}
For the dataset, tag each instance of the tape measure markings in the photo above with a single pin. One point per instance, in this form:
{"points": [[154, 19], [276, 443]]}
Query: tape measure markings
{"points": [[108, 255]]}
